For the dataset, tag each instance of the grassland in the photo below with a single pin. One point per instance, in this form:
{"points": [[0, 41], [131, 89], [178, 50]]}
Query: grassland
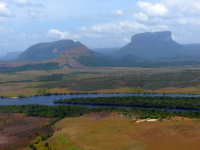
{"points": [[106, 132], [182, 79]]}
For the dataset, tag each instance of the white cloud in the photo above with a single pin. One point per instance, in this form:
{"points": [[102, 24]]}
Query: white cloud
{"points": [[174, 37], [4, 20], [32, 16], [62, 35], [126, 40], [188, 7], [23, 3], [118, 12], [5, 30], [4, 11], [140, 16], [93, 35], [93, 19], [153, 10], [122, 27], [160, 28], [182, 21]]}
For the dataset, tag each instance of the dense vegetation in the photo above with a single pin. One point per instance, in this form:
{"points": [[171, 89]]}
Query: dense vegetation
{"points": [[74, 111], [161, 102], [28, 67], [60, 76], [129, 62], [53, 77]]}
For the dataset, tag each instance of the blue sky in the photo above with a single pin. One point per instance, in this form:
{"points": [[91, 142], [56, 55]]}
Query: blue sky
{"points": [[95, 23]]}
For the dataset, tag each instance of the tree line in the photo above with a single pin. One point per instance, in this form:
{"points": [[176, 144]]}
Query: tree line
{"points": [[62, 111]]}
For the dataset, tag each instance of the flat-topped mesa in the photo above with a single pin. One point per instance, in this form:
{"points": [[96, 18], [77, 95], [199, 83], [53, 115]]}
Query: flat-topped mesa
{"points": [[151, 38]]}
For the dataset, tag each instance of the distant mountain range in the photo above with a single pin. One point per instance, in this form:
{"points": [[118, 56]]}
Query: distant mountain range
{"points": [[144, 50], [106, 51], [10, 56]]}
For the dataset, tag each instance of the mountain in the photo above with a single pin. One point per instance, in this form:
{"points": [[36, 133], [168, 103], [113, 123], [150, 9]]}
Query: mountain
{"points": [[195, 46], [152, 45], [70, 55], [46, 51], [193, 50], [106, 51], [10, 56]]}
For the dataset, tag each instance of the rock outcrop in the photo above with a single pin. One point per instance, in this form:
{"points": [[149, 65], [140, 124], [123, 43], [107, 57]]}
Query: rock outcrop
{"points": [[152, 45]]}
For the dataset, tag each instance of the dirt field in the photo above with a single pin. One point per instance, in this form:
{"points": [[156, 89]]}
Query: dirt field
{"points": [[108, 132], [16, 130]]}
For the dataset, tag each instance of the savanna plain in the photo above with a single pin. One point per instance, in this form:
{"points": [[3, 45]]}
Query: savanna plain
{"points": [[78, 128]]}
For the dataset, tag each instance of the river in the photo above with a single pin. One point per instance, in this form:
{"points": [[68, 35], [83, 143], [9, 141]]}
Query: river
{"points": [[48, 100]]}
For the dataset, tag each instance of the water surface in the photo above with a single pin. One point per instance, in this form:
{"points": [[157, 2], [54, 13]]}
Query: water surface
{"points": [[48, 100]]}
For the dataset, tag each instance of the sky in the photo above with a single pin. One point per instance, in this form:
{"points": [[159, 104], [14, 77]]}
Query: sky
{"points": [[95, 23]]}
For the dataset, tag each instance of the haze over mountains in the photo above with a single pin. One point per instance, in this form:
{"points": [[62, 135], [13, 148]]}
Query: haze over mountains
{"points": [[10, 56]]}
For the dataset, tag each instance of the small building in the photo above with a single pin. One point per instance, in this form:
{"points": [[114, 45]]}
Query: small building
{"points": [[147, 120]]}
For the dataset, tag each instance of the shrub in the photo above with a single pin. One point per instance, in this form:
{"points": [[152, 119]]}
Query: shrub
{"points": [[32, 147]]}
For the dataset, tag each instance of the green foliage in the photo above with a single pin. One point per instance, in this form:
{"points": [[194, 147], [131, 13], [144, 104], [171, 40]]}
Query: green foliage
{"points": [[21, 96], [32, 147], [94, 86], [74, 111], [53, 77], [46, 144], [160, 102], [44, 92], [36, 133], [43, 138]]}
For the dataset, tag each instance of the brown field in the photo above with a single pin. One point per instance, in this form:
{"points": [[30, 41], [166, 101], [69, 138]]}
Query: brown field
{"points": [[111, 132], [16, 130]]}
